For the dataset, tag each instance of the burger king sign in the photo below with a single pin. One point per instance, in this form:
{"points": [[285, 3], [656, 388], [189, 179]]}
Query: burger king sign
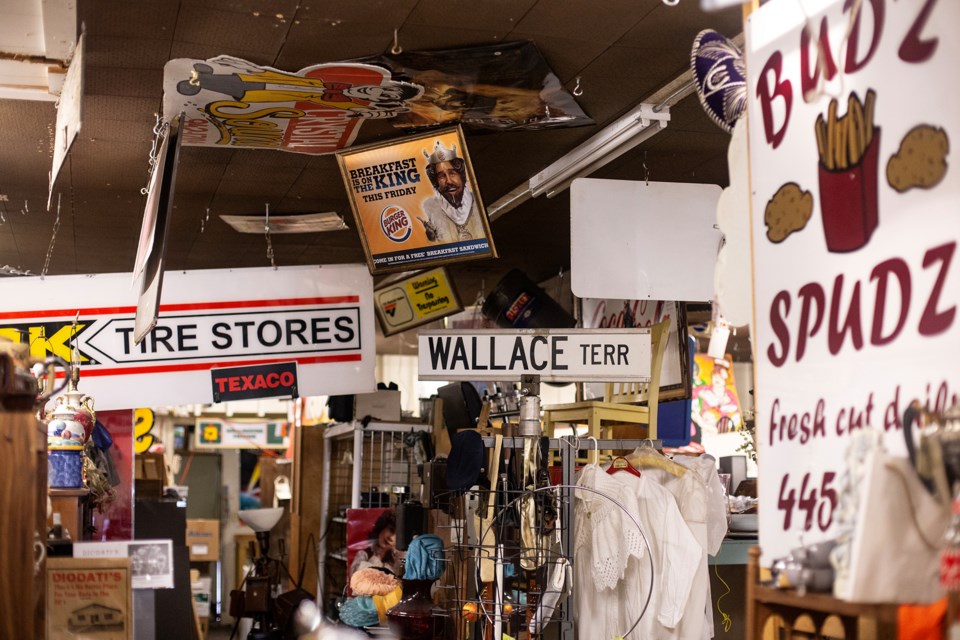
{"points": [[416, 202], [396, 223]]}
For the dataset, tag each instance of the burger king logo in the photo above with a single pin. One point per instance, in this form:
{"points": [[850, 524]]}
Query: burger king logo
{"points": [[396, 223]]}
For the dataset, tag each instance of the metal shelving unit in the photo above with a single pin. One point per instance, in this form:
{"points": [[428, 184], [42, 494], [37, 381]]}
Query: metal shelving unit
{"points": [[357, 458]]}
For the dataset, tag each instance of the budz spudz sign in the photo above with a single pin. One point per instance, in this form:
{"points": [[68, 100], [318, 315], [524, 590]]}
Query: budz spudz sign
{"points": [[853, 171]]}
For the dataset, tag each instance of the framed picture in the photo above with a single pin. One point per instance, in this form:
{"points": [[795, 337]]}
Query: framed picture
{"points": [[416, 202], [716, 405], [151, 561], [596, 313], [410, 302], [371, 540], [89, 598]]}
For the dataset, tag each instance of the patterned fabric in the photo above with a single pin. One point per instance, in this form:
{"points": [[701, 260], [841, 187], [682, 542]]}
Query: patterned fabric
{"points": [[720, 75], [359, 612], [425, 559]]}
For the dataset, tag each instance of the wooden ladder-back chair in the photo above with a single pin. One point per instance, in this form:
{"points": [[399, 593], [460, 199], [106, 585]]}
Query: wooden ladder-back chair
{"points": [[620, 404]]}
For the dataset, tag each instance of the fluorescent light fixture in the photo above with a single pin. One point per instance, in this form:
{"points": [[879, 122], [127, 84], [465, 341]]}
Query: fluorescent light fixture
{"points": [[614, 140], [303, 223]]}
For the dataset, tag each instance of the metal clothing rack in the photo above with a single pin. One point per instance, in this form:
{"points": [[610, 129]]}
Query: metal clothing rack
{"points": [[566, 450]]}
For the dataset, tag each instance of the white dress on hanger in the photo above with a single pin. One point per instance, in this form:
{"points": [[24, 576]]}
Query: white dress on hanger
{"points": [[715, 503], [607, 543]]}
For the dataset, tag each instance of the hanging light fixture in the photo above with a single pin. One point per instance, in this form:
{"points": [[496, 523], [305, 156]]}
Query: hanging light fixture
{"points": [[640, 124]]}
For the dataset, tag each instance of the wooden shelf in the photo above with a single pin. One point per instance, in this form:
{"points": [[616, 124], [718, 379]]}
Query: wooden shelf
{"points": [[67, 493], [783, 608], [75, 511], [824, 603]]}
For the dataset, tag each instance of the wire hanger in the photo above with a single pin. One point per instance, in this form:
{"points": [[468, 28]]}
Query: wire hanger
{"points": [[596, 445]]}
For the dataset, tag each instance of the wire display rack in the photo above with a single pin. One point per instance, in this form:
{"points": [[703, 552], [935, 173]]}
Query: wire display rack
{"points": [[506, 574], [362, 467]]}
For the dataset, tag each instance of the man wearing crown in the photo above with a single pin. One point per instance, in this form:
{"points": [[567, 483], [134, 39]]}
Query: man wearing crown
{"points": [[452, 214]]}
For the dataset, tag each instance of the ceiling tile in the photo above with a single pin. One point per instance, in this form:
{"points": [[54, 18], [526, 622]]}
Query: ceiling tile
{"points": [[676, 27], [229, 31], [269, 159], [113, 130], [132, 19], [115, 81], [499, 16], [312, 41], [567, 57], [296, 55], [278, 177], [569, 18], [417, 37], [119, 108], [201, 179], [127, 52], [372, 11], [285, 7], [201, 51]]}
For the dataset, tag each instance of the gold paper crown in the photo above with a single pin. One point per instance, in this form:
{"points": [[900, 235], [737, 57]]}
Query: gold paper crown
{"points": [[441, 154]]}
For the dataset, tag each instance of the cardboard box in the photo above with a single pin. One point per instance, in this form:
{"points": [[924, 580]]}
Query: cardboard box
{"points": [[384, 406], [203, 539]]}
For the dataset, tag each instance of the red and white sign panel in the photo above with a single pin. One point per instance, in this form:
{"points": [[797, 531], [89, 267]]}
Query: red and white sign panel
{"points": [[856, 191], [320, 317]]}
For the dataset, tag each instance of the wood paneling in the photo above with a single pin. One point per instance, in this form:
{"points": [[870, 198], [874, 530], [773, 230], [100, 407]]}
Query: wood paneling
{"points": [[23, 501], [306, 522]]}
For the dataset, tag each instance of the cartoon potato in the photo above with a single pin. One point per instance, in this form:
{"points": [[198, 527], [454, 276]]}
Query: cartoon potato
{"points": [[787, 211], [921, 160]]}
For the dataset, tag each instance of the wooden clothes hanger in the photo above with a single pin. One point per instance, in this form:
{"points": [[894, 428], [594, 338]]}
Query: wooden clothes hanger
{"points": [[646, 456]]}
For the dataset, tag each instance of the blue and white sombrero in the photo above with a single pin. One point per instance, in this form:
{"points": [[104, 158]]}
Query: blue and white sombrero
{"points": [[721, 78]]}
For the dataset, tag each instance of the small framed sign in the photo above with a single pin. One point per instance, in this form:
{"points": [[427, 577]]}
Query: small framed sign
{"points": [[416, 202], [419, 299], [89, 598], [216, 433], [271, 380]]}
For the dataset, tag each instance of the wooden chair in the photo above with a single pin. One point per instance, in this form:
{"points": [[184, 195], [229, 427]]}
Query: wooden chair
{"points": [[620, 404]]}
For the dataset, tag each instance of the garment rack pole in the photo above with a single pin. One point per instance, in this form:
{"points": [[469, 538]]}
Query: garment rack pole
{"points": [[568, 468]]}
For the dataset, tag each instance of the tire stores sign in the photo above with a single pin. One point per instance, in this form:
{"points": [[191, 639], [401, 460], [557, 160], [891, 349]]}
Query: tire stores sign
{"points": [[856, 192], [231, 102], [317, 321]]}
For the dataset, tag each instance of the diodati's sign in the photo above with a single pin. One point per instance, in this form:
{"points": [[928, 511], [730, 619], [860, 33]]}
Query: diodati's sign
{"points": [[319, 319], [276, 380], [570, 355]]}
